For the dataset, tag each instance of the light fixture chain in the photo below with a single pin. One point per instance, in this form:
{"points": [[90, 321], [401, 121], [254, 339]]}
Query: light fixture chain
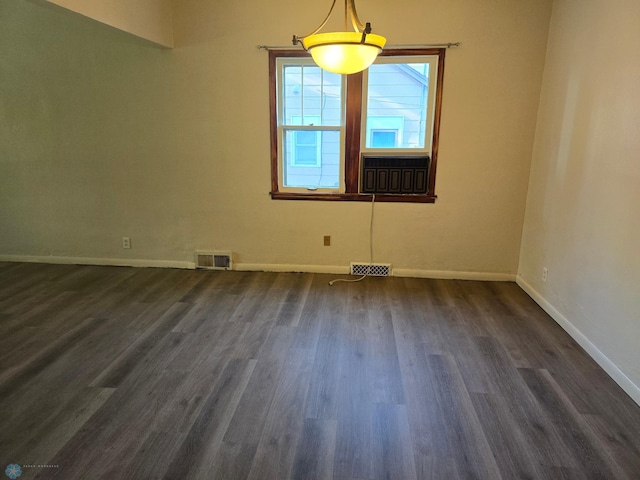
{"points": [[355, 21], [347, 4], [298, 39]]}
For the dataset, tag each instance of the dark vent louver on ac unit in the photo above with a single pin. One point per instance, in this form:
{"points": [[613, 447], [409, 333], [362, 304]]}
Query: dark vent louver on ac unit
{"points": [[397, 175]]}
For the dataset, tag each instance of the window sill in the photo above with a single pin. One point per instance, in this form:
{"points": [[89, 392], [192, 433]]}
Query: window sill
{"points": [[354, 197]]}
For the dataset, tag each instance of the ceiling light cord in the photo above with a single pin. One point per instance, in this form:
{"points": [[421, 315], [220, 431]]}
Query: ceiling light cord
{"points": [[373, 201]]}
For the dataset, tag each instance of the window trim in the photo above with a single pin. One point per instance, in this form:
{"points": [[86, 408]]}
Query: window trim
{"points": [[352, 133]]}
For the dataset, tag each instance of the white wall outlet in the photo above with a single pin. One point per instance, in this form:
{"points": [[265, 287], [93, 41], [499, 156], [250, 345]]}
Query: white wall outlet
{"points": [[545, 272], [126, 242]]}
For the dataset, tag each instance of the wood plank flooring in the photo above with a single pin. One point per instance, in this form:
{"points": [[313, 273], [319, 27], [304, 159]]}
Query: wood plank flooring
{"points": [[122, 373]]}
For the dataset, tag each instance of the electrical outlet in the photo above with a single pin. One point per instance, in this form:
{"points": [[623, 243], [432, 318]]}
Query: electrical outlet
{"points": [[126, 242], [545, 272], [327, 240]]}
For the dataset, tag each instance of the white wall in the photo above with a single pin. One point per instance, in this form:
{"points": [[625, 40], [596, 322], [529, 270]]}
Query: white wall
{"points": [[583, 206], [104, 137]]}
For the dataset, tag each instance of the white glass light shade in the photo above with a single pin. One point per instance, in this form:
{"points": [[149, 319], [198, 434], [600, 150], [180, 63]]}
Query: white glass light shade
{"points": [[344, 52]]}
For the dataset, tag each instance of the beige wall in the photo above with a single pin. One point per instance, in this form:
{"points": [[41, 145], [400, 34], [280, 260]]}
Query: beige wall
{"points": [[583, 207], [104, 137], [149, 19]]}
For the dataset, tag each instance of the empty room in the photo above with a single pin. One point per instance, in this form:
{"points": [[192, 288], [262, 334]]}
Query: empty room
{"points": [[350, 240]]}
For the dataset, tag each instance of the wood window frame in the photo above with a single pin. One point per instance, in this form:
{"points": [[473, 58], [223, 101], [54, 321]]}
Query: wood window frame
{"points": [[353, 129]]}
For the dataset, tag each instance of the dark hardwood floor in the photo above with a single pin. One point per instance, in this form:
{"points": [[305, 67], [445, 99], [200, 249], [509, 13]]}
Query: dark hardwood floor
{"points": [[122, 373]]}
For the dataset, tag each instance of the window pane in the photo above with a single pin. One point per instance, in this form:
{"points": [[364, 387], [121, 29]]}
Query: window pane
{"points": [[306, 137], [305, 155], [397, 96], [383, 139], [311, 158], [311, 96]]}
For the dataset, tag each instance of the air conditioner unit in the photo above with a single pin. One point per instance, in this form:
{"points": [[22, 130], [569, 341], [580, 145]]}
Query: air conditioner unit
{"points": [[395, 174]]}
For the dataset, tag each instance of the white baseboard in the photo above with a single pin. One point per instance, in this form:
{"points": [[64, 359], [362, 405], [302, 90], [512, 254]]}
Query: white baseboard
{"points": [[396, 272], [283, 267], [111, 262], [454, 275], [259, 267], [601, 359]]}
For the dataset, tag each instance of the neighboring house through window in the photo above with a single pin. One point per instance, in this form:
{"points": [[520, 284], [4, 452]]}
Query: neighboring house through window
{"points": [[384, 132], [306, 151]]}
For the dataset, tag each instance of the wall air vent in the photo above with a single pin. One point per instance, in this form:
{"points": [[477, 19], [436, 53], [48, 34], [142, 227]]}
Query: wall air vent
{"points": [[397, 175], [371, 269], [214, 260]]}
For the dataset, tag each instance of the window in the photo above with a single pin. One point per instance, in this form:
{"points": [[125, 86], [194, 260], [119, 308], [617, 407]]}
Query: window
{"points": [[311, 127], [325, 126]]}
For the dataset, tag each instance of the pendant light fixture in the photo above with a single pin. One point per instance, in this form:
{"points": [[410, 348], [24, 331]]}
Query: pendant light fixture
{"points": [[343, 52]]}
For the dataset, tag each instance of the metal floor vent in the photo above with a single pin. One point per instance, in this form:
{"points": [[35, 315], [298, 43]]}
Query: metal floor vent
{"points": [[214, 260], [373, 270]]}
